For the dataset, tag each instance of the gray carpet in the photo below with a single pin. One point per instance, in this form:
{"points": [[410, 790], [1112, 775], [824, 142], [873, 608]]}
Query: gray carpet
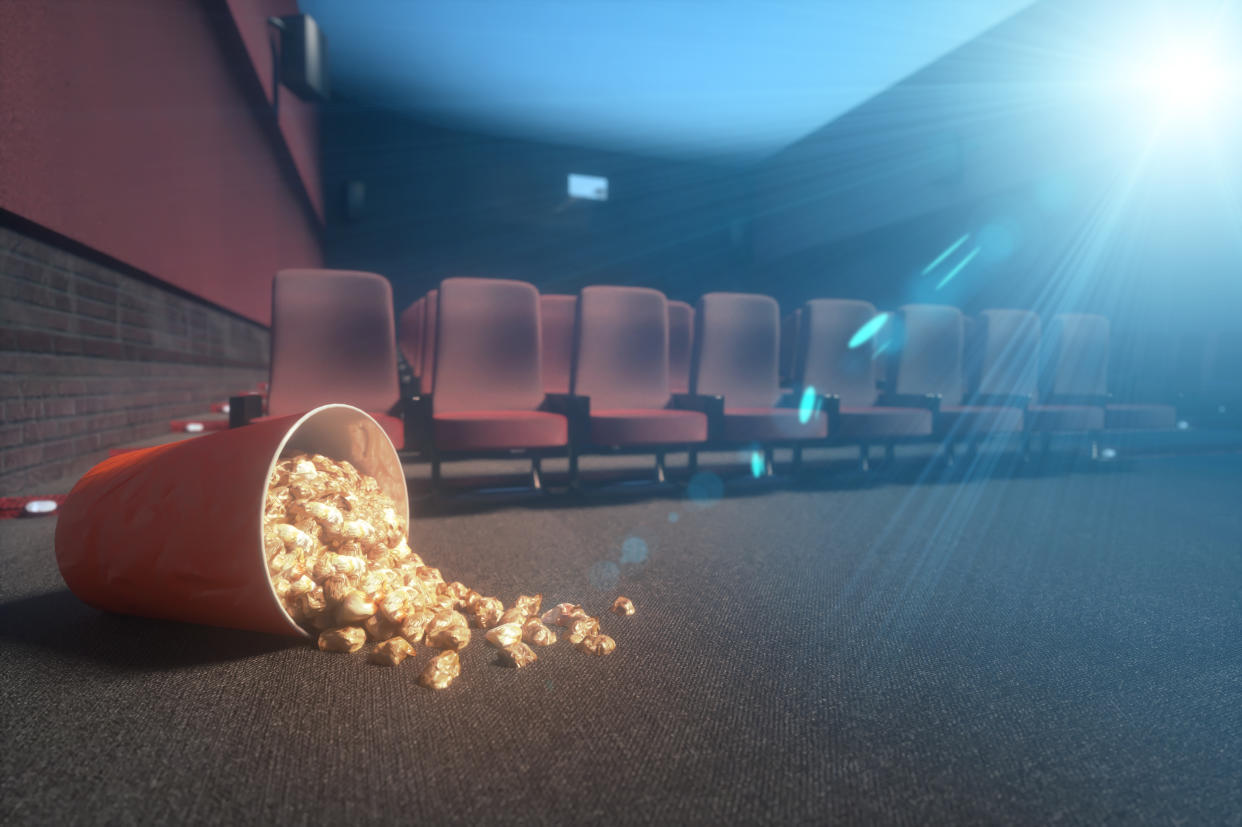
{"points": [[1061, 646]]}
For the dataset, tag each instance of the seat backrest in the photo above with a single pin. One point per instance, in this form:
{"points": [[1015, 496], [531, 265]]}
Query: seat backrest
{"points": [[828, 362], [680, 346], [791, 336], [487, 346], [557, 318], [1074, 356], [431, 307], [333, 340], [621, 347], [410, 335], [737, 349], [929, 352], [1004, 349]]}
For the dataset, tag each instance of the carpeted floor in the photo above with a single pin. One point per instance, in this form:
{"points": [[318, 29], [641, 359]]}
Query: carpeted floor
{"points": [[1049, 646]]}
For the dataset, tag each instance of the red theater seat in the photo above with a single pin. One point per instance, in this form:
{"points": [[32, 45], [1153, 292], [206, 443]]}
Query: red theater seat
{"points": [[621, 367], [334, 341], [557, 320], [831, 367], [499, 430], [643, 426], [680, 345], [737, 358], [487, 389]]}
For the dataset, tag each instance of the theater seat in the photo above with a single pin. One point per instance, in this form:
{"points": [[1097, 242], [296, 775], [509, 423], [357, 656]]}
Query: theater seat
{"points": [[1064, 418], [621, 369], [1122, 417], [1006, 352], [930, 364], [1074, 367], [503, 430], [766, 425], [646, 426], [680, 346], [978, 420], [333, 341], [830, 366], [870, 424], [738, 359], [557, 321], [487, 387]]}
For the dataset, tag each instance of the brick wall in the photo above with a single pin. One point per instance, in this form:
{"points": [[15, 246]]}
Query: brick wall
{"points": [[93, 356]]}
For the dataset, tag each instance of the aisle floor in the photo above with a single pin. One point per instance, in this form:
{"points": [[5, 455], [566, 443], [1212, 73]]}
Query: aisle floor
{"points": [[968, 645]]}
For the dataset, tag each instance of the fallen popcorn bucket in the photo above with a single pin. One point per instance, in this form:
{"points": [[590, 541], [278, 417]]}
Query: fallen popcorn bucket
{"points": [[176, 531]]}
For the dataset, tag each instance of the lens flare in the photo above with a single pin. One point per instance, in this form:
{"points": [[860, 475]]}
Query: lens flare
{"points": [[959, 267], [948, 252], [868, 331], [756, 464], [806, 408], [705, 489], [604, 575], [634, 550]]}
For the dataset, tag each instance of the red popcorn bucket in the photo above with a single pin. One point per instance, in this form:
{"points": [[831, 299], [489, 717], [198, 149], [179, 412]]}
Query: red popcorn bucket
{"points": [[176, 531]]}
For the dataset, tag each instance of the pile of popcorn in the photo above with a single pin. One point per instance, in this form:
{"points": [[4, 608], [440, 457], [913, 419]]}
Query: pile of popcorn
{"points": [[340, 563]]}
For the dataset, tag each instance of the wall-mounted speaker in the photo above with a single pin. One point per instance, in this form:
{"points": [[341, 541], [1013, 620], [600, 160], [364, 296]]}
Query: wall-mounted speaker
{"points": [[303, 57]]}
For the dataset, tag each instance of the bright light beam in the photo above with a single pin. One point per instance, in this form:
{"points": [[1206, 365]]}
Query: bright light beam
{"points": [[958, 268], [868, 331], [948, 252], [806, 407], [1186, 80]]}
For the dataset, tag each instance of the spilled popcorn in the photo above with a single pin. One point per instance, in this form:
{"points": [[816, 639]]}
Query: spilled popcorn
{"points": [[341, 566]]}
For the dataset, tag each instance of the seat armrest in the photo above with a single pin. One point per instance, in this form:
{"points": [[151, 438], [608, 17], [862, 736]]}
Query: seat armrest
{"points": [[928, 401], [710, 406], [244, 409], [1002, 400], [416, 415], [830, 404], [577, 411]]}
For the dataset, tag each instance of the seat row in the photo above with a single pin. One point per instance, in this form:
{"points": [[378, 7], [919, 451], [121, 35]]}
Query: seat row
{"points": [[502, 371]]}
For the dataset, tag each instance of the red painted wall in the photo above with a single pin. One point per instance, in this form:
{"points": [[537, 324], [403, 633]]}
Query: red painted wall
{"points": [[298, 120], [123, 127]]}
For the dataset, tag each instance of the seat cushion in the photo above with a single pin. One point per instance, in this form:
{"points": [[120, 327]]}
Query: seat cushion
{"points": [[1064, 418], [1140, 417], [770, 424], [499, 430], [647, 426], [979, 420], [883, 423]]}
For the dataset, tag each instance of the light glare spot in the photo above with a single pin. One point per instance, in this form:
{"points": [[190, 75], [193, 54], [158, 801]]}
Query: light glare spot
{"points": [[868, 331], [756, 464], [948, 252], [704, 489], [634, 550], [806, 408], [604, 575], [960, 266]]}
